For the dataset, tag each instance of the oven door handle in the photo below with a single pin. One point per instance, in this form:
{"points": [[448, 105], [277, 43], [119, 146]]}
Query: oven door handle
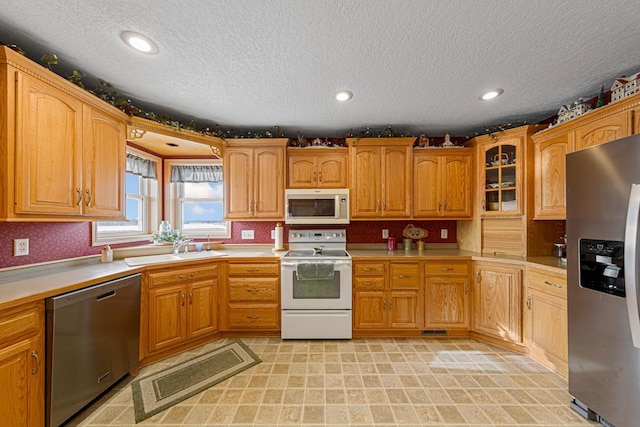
{"points": [[337, 263]]}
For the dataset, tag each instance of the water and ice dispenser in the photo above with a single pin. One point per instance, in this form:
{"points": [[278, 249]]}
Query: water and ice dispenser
{"points": [[602, 266]]}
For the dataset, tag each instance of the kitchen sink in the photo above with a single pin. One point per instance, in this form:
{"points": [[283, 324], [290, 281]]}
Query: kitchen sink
{"points": [[167, 258]]}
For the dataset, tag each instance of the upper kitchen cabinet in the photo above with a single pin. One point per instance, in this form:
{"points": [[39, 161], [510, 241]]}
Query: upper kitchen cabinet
{"points": [[500, 173], [253, 173], [597, 127], [381, 177], [318, 167], [63, 149], [442, 183]]}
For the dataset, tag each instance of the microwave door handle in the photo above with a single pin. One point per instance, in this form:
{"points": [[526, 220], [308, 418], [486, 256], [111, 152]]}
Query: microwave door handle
{"points": [[631, 263]]}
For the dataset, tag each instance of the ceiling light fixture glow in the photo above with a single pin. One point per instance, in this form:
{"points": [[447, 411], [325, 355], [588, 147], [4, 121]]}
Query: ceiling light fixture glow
{"points": [[344, 95], [491, 94], [139, 42]]}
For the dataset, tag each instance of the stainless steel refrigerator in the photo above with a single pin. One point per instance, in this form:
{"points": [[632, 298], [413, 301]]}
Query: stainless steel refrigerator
{"points": [[603, 205]]}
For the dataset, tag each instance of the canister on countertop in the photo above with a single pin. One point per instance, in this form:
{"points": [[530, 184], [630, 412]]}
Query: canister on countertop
{"points": [[392, 242], [107, 254]]}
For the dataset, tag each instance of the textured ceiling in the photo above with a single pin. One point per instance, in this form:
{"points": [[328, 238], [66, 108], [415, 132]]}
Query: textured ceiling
{"points": [[416, 65]]}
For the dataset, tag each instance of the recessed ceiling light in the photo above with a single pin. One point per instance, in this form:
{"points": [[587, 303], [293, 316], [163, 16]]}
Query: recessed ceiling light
{"points": [[344, 95], [491, 94], [139, 42]]}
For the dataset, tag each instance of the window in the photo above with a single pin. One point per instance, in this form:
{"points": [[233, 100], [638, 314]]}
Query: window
{"points": [[196, 199], [141, 205]]}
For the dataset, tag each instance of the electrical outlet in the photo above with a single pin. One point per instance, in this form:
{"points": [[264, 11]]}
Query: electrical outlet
{"points": [[444, 233], [247, 234], [20, 247], [385, 233], [273, 234]]}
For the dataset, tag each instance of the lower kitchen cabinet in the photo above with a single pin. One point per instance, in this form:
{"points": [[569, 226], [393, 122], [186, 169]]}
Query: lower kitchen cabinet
{"points": [[22, 365], [182, 306], [387, 295], [447, 296], [252, 297], [497, 303], [546, 331]]}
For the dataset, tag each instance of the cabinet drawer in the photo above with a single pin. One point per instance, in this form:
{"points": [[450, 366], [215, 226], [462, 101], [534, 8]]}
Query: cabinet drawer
{"points": [[440, 268], [244, 269], [20, 322], [369, 282], [177, 275], [404, 276], [368, 268], [254, 316], [547, 282], [253, 290]]}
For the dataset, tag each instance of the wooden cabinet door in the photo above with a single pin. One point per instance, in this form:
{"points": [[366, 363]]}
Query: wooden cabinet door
{"points": [[22, 382], [396, 182], [104, 145], [303, 172], [447, 302], [238, 183], [48, 150], [547, 330], [551, 177], [202, 308], [500, 178], [455, 184], [367, 182], [426, 186], [269, 183], [333, 171], [404, 275], [497, 302], [404, 310], [604, 130], [167, 317], [369, 310]]}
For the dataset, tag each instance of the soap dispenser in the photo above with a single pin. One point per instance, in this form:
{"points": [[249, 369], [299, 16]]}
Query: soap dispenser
{"points": [[107, 254]]}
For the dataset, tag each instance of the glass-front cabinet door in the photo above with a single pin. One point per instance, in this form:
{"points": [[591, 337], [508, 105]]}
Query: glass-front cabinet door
{"points": [[500, 172]]}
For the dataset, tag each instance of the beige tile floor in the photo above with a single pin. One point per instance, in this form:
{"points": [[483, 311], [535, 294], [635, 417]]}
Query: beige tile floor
{"points": [[363, 382]]}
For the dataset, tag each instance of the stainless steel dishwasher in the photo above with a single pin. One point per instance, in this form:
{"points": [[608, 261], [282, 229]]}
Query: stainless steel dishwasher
{"points": [[91, 342]]}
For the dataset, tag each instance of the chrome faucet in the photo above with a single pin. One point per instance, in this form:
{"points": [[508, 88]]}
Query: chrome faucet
{"points": [[180, 243]]}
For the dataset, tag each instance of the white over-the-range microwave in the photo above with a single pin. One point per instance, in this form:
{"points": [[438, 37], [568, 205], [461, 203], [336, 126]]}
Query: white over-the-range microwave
{"points": [[316, 206]]}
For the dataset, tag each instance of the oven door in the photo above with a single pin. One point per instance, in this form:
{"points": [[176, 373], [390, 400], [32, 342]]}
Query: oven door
{"points": [[320, 294]]}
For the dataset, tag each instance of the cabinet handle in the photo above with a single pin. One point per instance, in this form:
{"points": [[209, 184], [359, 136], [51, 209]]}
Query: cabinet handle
{"points": [[384, 305], [484, 209], [320, 176], [403, 276], [253, 291], [183, 298], [446, 269], [314, 177], [36, 356], [466, 289], [529, 302], [79, 197], [384, 205], [186, 276], [367, 269], [89, 198], [555, 285], [251, 206], [369, 284], [445, 205], [378, 205], [253, 270], [390, 304], [477, 277], [439, 206], [253, 317], [190, 298]]}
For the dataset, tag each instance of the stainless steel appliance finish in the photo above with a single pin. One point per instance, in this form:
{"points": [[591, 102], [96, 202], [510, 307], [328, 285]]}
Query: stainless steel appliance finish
{"points": [[316, 306], [603, 205], [92, 341], [316, 206]]}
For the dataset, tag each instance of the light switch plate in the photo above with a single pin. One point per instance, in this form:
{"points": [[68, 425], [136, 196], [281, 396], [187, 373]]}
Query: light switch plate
{"points": [[247, 234], [444, 233], [385, 233]]}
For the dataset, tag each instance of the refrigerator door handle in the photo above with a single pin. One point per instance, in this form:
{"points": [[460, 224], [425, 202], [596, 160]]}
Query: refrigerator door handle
{"points": [[631, 263]]}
